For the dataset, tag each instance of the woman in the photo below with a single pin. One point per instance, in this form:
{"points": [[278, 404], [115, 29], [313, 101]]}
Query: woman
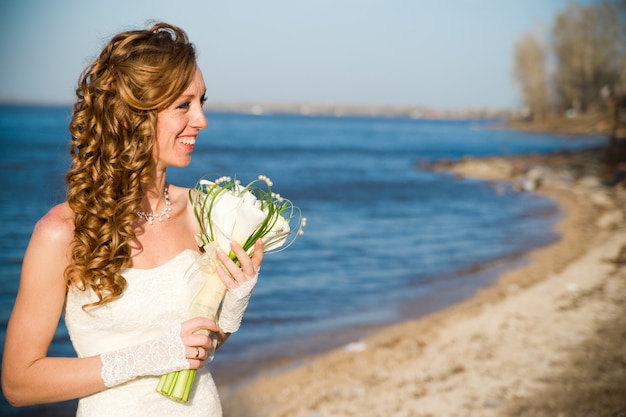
{"points": [[115, 256]]}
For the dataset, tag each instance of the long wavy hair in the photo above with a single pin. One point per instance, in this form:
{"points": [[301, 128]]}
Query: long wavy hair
{"points": [[113, 130]]}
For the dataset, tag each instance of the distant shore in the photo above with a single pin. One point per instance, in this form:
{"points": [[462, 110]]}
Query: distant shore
{"points": [[325, 109], [585, 124], [589, 124], [546, 340]]}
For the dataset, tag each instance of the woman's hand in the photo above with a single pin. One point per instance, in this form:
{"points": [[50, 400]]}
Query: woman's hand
{"points": [[234, 276], [199, 347], [240, 281]]}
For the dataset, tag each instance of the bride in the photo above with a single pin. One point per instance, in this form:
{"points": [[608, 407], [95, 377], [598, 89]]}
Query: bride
{"points": [[113, 257]]}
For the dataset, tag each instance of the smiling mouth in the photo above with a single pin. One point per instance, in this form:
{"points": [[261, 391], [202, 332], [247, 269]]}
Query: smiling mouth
{"points": [[188, 141]]}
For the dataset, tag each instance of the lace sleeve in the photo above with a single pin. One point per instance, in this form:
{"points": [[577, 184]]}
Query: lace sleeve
{"points": [[159, 356]]}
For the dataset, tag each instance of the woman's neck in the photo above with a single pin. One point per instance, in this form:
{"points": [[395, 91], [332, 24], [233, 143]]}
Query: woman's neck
{"points": [[153, 194]]}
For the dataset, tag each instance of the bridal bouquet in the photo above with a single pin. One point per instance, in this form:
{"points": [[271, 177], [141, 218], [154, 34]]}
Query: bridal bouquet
{"points": [[226, 211]]}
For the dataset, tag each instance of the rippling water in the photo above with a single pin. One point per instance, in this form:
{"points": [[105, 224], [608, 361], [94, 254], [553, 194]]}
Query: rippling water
{"points": [[385, 240]]}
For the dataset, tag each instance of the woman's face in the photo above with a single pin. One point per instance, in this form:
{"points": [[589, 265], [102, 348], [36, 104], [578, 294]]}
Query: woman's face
{"points": [[179, 125]]}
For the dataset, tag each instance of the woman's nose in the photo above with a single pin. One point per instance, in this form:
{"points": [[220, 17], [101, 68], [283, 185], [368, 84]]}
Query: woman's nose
{"points": [[200, 121]]}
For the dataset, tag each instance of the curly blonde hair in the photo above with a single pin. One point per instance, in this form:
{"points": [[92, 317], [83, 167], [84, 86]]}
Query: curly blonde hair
{"points": [[113, 130]]}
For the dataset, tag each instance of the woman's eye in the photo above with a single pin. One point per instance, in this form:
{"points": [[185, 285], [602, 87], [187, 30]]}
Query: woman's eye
{"points": [[183, 105], [202, 100]]}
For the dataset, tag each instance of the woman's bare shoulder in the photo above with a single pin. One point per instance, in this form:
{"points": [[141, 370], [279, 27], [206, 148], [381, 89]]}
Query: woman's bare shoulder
{"points": [[57, 225]]}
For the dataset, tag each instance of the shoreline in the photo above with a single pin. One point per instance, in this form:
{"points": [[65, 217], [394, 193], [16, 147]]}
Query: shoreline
{"points": [[458, 286], [482, 356], [453, 288]]}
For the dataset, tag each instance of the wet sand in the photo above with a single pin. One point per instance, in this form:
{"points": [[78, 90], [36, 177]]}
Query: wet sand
{"points": [[549, 339]]}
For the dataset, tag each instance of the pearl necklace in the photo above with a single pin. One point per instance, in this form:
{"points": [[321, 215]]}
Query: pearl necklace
{"points": [[165, 213]]}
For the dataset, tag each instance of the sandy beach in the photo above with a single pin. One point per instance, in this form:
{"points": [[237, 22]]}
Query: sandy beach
{"points": [[549, 339]]}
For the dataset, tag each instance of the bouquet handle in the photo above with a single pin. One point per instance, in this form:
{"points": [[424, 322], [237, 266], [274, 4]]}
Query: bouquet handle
{"points": [[177, 385]]}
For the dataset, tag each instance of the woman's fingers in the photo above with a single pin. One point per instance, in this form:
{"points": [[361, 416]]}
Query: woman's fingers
{"points": [[232, 274], [191, 326], [197, 356], [194, 332], [196, 352], [257, 255], [197, 346]]}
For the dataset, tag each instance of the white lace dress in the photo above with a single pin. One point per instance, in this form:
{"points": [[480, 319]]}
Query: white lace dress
{"points": [[154, 301]]}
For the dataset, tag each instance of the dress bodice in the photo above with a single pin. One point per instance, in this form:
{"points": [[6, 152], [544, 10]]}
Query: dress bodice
{"points": [[154, 300]]}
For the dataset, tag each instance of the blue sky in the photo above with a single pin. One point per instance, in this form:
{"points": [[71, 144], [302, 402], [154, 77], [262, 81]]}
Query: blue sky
{"points": [[441, 54]]}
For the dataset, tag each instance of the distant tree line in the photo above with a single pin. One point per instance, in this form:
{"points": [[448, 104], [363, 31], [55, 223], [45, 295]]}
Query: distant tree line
{"points": [[579, 67]]}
